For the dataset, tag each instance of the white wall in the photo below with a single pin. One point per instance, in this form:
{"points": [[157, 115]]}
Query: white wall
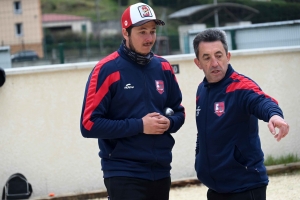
{"points": [[254, 36], [184, 38], [40, 110]]}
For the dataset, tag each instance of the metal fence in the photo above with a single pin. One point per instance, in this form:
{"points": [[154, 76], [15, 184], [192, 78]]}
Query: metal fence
{"points": [[95, 49]]}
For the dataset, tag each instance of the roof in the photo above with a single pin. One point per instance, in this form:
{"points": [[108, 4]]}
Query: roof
{"points": [[267, 24], [186, 12], [52, 17]]}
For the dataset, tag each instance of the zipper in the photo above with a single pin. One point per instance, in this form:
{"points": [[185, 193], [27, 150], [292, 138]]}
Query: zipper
{"points": [[147, 102], [207, 102]]}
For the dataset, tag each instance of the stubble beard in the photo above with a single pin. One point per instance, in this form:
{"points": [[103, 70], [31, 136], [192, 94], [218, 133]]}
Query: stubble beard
{"points": [[131, 47]]}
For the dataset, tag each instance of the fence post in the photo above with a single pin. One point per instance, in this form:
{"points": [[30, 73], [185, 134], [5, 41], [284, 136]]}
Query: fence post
{"points": [[233, 42], [61, 53]]}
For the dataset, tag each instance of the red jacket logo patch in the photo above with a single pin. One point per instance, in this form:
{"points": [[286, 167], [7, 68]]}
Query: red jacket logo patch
{"points": [[160, 86], [219, 108]]}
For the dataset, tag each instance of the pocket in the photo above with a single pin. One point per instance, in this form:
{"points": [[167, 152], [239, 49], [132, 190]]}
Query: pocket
{"points": [[113, 151], [256, 171], [238, 156]]}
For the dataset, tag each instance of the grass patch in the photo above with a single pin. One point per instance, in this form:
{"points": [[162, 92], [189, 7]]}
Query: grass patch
{"points": [[107, 8], [290, 158]]}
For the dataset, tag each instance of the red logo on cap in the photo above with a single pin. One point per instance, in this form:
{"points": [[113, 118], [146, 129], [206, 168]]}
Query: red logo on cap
{"points": [[219, 108], [145, 11]]}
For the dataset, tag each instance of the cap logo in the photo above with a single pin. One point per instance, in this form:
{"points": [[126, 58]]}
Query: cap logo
{"points": [[125, 22], [145, 11]]}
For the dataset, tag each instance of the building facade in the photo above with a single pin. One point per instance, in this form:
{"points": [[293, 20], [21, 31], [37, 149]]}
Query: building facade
{"points": [[21, 22]]}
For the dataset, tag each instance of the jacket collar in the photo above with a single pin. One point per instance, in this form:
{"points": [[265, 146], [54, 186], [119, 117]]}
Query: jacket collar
{"points": [[134, 56]]}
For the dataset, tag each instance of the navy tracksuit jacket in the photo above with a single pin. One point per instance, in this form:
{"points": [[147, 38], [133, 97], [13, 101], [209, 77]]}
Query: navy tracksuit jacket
{"points": [[119, 92], [229, 157]]}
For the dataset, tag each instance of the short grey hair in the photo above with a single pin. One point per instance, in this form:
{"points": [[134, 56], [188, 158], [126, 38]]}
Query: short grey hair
{"points": [[210, 35]]}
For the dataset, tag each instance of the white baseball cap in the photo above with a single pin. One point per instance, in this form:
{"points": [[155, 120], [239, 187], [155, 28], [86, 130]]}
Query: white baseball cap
{"points": [[139, 14]]}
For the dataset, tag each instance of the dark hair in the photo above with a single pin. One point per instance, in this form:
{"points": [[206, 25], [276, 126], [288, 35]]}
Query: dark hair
{"points": [[129, 30], [210, 35]]}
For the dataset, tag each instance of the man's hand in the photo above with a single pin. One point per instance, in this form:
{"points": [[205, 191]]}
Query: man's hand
{"points": [[277, 122], [155, 123]]}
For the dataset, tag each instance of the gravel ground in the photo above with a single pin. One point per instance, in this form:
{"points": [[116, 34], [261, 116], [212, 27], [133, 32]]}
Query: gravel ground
{"points": [[281, 187]]}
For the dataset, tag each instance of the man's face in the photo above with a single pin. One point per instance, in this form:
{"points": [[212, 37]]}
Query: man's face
{"points": [[212, 59], [142, 38]]}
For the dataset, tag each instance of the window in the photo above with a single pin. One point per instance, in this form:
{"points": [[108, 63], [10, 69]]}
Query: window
{"points": [[19, 29], [17, 7], [83, 28]]}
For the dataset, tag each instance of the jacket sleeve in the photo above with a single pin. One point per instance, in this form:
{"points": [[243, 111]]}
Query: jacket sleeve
{"points": [[97, 98], [197, 99], [174, 101], [254, 101]]}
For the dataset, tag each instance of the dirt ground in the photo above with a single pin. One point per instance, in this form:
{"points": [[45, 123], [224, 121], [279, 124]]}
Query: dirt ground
{"points": [[281, 187]]}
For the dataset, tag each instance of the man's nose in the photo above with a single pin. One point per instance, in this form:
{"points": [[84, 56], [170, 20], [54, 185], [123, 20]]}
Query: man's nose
{"points": [[214, 62], [150, 37]]}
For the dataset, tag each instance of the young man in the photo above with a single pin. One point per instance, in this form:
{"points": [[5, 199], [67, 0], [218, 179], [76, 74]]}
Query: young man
{"points": [[124, 106], [229, 158]]}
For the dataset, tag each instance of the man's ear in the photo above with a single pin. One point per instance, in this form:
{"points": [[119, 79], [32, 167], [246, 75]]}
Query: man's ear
{"points": [[125, 33], [196, 61], [228, 56]]}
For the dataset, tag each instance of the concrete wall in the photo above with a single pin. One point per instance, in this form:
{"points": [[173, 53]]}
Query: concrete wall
{"points": [[40, 109]]}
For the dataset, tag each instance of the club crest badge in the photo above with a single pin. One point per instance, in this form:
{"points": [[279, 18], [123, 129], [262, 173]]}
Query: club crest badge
{"points": [[145, 11], [160, 87], [219, 108]]}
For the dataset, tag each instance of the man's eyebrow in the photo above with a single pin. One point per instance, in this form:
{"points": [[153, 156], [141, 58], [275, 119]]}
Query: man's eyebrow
{"points": [[143, 28], [205, 55]]}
